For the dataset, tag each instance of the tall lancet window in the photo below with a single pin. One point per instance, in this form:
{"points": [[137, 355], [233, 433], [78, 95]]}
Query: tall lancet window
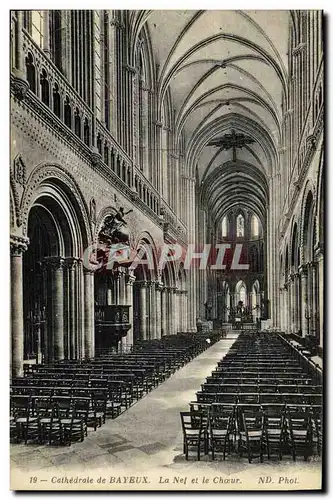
{"points": [[255, 226], [242, 294], [37, 26], [224, 227], [240, 226]]}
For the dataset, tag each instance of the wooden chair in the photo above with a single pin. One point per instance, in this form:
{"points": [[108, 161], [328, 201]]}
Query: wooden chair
{"points": [[27, 425], [300, 434], [193, 432], [252, 435], [275, 431], [220, 429], [97, 413], [50, 426], [317, 435], [75, 424]]}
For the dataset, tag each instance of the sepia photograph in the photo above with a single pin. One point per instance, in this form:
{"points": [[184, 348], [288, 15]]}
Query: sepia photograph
{"points": [[166, 250]]}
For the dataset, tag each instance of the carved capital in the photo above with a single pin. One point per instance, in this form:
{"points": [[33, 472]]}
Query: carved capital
{"points": [[303, 270], [158, 286], [130, 69], [141, 284], [130, 279], [289, 112], [54, 263], [319, 249], [18, 245], [89, 272], [70, 263], [299, 49], [147, 89], [118, 24]]}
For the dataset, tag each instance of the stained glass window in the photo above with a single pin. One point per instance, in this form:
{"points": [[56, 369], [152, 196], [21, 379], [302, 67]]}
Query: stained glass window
{"points": [[224, 227], [240, 226]]}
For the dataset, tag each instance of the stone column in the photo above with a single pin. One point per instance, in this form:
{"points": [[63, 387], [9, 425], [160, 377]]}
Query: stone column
{"points": [[320, 261], [176, 295], [281, 310], [313, 270], [285, 306], [163, 311], [181, 310], [109, 291], [70, 264], [292, 302], [80, 310], [89, 313], [113, 35], [66, 44], [152, 311], [297, 302], [185, 309], [130, 278], [17, 246], [116, 287], [167, 311], [250, 302], [57, 296], [310, 295], [143, 309], [304, 291], [171, 312], [190, 185], [46, 33], [158, 309], [20, 84]]}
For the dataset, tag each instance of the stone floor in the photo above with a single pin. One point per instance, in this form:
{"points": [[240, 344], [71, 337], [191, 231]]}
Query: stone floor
{"points": [[146, 441]]}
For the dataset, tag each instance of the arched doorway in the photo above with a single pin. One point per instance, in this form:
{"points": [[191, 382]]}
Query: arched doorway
{"points": [[57, 289]]}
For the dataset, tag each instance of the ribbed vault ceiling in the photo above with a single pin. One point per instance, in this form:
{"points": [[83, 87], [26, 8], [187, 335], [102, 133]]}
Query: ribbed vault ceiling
{"points": [[226, 71]]}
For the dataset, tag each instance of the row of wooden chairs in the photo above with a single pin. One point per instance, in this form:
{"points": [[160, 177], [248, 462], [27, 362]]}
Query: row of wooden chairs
{"points": [[254, 432], [56, 403], [56, 421], [259, 376]]}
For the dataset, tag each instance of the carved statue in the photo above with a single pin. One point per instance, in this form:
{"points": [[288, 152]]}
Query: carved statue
{"points": [[113, 227]]}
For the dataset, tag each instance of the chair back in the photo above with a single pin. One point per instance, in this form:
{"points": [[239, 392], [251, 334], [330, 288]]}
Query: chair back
{"points": [[20, 405], [192, 420]]}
